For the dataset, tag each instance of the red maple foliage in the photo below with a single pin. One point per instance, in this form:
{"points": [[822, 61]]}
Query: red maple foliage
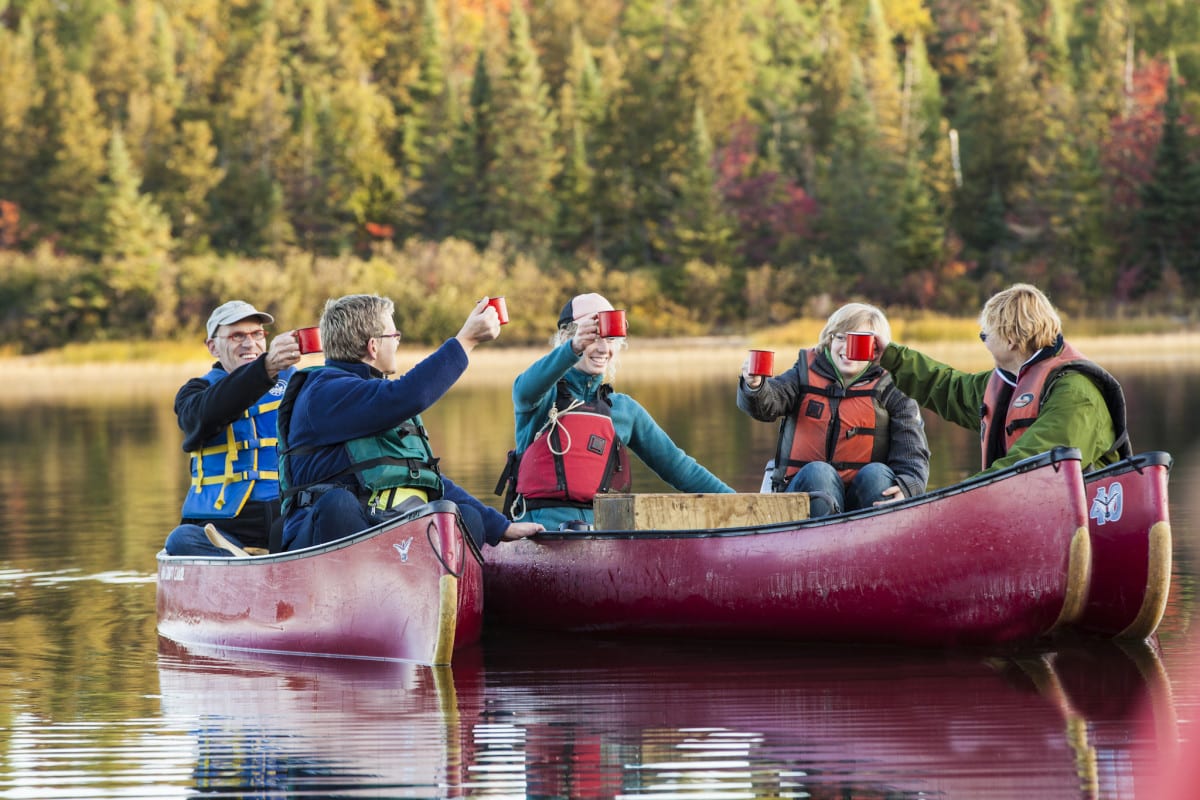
{"points": [[1128, 156], [771, 209], [379, 230], [10, 224]]}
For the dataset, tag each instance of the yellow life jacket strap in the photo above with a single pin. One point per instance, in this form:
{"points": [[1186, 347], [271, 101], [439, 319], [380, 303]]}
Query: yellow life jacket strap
{"points": [[387, 499], [246, 475], [253, 444]]}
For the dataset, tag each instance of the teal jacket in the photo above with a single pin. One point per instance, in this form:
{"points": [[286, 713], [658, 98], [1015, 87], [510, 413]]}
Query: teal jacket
{"points": [[533, 396], [1074, 413]]}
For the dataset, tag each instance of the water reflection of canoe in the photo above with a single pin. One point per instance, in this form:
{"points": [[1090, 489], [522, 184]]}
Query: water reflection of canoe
{"points": [[998, 558], [1130, 530], [663, 717], [594, 717], [268, 725], [409, 589]]}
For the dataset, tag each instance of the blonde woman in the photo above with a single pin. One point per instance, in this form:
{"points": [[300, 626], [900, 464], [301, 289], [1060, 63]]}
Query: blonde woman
{"points": [[573, 432], [848, 437], [1043, 393]]}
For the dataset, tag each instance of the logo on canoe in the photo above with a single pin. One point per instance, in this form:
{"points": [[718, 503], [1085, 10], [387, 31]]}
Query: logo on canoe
{"points": [[1108, 505], [171, 572], [1024, 400], [402, 549]]}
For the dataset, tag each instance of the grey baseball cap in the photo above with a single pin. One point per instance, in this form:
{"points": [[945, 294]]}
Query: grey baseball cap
{"points": [[234, 311]]}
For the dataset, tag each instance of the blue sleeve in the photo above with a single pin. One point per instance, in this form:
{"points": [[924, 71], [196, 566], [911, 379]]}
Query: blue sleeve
{"points": [[494, 523], [654, 447], [351, 407]]}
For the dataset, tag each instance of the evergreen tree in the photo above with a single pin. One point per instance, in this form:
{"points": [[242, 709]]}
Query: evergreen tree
{"points": [[471, 156], [783, 44], [700, 228], [831, 80], [364, 182], [307, 170], [429, 128], [926, 128], [520, 180], [1002, 118], [719, 70], [553, 27], [1169, 220], [133, 226], [20, 97], [643, 138], [856, 192], [249, 205], [71, 159], [188, 177], [114, 79], [883, 79], [579, 110], [1105, 63], [920, 231]]}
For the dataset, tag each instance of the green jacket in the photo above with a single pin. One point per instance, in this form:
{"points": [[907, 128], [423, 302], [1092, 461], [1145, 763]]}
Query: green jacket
{"points": [[1074, 413]]}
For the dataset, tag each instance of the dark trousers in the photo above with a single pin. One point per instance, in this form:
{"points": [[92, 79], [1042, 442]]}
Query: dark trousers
{"points": [[337, 514]]}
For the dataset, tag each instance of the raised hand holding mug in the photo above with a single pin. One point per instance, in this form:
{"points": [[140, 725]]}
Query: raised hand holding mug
{"points": [[612, 324], [309, 340], [501, 309]]}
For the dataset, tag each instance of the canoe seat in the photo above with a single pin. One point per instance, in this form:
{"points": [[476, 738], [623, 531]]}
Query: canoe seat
{"points": [[640, 512]]}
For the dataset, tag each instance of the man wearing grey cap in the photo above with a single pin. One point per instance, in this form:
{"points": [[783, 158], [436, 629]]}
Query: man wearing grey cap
{"points": [[228, 420]]}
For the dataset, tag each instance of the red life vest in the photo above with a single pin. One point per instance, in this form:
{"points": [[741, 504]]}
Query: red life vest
{"points": [[575, 456], [843, 425], [1019, 405]]}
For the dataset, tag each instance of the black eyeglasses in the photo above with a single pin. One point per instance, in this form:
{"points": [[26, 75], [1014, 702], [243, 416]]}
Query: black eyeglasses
{"points": [[982, 336], [395, 336], [240, 337]]}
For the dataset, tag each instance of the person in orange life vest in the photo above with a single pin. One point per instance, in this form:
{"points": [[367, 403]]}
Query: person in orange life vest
{"points": [[569, 423], [1043, 393], [848, 436], [228, 421]]}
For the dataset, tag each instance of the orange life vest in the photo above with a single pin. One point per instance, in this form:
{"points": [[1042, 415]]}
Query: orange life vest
{"points": [[1008, 410], [843, 425]]}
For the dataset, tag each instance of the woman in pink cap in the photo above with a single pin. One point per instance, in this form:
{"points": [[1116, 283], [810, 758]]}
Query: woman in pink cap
{"points": [[573, 432]]}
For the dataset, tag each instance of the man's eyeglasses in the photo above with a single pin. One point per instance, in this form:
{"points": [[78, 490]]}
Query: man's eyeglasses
{"points": [[982, 336], [395, 336], [240, 337]]}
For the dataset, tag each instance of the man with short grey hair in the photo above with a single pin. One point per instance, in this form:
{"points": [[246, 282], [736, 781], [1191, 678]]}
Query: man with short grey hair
{"points": [[228, 420], [353, 449]]}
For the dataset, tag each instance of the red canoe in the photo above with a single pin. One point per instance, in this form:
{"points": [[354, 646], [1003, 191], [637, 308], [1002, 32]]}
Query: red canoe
{"points": [[998, 558], [1130, 528], [410, 589]]}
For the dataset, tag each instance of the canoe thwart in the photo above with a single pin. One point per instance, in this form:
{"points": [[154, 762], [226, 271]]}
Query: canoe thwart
{"points": [[634, 512]]}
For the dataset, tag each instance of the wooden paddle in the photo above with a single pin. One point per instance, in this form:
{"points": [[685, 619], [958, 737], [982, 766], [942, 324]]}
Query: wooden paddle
{"points": [[220, 541]]}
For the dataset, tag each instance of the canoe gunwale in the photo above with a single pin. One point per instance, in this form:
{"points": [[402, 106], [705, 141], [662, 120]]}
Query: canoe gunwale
{"points": [[428, 509]]}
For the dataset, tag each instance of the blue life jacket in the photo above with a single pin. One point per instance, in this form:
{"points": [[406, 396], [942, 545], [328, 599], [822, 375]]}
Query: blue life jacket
{"points": [[240, 463]]}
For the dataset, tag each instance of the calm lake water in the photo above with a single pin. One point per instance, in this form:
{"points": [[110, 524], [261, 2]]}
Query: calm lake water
{"points": [[92, 706]]}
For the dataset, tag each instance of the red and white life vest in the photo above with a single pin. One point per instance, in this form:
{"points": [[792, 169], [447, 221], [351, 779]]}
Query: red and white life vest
{"points": [[1018, 409], [575, 456]]}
